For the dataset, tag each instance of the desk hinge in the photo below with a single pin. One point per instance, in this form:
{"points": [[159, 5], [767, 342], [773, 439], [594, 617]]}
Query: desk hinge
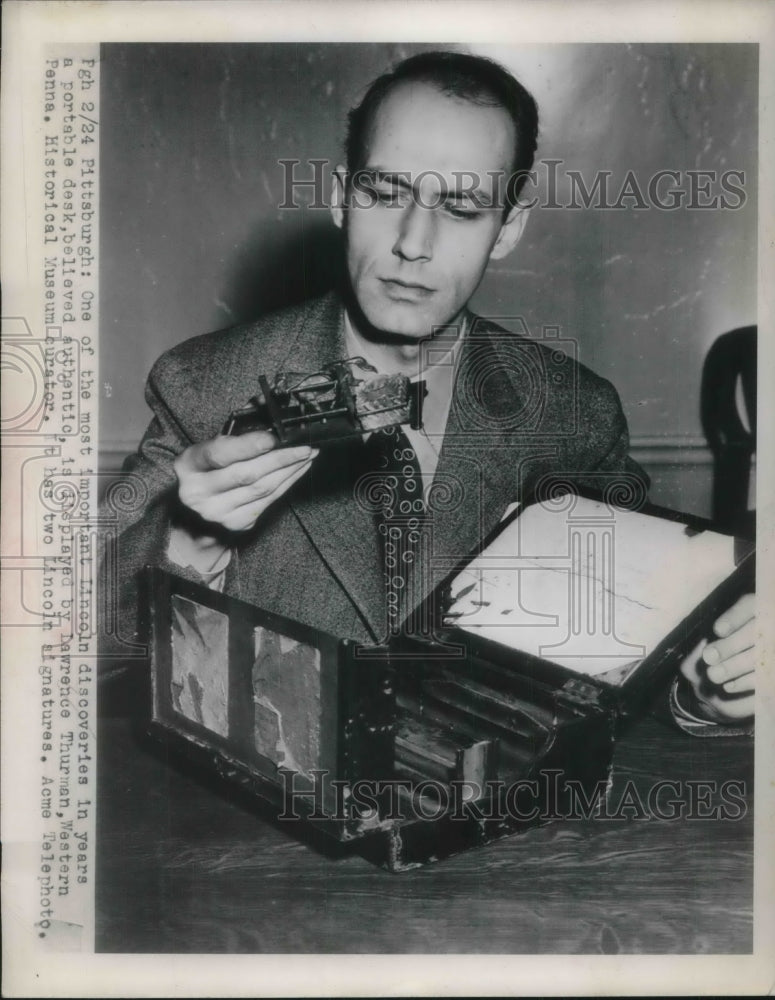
{"points": [[580, 693]]}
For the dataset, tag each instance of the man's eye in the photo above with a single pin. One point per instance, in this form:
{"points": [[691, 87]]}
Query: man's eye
{"points": [[462, 213], [390, 198]]}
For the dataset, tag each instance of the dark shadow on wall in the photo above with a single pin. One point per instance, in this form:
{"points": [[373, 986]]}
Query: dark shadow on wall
{"points": [[277, 267]]}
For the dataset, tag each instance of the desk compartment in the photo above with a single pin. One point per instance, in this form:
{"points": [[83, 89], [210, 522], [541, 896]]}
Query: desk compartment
{"points": [[435, 742], [410, 751]]}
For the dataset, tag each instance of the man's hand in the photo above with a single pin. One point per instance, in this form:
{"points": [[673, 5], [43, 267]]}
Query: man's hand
{"points": [[721, 672], [230, 481]]}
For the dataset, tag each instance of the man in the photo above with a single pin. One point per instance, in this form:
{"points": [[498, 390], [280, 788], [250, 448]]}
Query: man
{"points": [[437, 154]]}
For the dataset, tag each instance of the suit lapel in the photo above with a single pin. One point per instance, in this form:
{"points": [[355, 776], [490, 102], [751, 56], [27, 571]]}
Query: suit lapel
{"points": [[487, 446], [466, 499], [342, 530]]}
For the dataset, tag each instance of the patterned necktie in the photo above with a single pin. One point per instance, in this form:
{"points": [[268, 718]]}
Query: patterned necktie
{"points": [[400, 516]]}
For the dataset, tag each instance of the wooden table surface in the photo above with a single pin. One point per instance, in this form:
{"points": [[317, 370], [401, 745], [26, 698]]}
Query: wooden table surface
{"points": [[182, 867]]}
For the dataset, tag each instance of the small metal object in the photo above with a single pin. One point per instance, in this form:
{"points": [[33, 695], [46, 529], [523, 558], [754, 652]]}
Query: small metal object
{"points": [[344, 400]]}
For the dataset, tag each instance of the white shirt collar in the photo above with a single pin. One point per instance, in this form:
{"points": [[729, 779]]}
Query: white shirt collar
{"points": [[437, 355]]}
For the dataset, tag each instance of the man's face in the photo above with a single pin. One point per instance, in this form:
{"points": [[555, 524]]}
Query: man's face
{"points": [[425, 214]]}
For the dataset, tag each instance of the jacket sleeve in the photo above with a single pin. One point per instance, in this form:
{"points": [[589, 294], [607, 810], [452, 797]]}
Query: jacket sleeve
{"points": [[135, 521], [601, 446], [675, 705]]}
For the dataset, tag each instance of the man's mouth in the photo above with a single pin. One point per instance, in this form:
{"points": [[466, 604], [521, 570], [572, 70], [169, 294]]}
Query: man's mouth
{"points": [[408, 290]]}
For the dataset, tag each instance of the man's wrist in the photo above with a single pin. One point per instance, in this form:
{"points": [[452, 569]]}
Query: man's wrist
{"points": [[205, 554]]}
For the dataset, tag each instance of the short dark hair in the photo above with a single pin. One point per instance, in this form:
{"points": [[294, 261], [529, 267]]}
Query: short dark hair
{"points": [[457, 74]]}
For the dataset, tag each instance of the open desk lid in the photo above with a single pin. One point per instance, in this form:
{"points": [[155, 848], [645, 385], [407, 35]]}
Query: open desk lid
{"points": [[608, 594]]}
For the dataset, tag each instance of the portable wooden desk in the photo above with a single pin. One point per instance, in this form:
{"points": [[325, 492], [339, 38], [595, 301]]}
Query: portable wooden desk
{"points": [[412, 751]]}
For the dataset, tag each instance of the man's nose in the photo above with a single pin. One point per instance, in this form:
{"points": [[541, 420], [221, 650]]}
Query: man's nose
{"points": [[415, 233]]}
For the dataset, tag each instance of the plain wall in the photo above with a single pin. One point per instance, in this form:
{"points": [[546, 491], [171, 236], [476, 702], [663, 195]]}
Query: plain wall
{"points": [[192, 238]]}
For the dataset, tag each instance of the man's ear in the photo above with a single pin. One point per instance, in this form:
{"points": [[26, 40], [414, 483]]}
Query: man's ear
{"points": [[338, 195], [511, 232]]}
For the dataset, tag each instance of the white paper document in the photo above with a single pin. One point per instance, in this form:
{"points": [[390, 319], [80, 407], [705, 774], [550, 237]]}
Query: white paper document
{"points": [[587, 585]]}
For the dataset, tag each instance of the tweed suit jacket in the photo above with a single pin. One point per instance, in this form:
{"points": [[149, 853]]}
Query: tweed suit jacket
{"points": [[519, 411]]}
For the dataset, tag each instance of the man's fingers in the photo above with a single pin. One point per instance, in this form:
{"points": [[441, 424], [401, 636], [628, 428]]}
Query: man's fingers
{"points": [[217, 506], [722, 672], [744, 682], [734, 666], [741, 612], [253, 470], [720, 650], [731, 709], [281, 481], [245, 515], [223, 450], [220, 477], [272, 485]]}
